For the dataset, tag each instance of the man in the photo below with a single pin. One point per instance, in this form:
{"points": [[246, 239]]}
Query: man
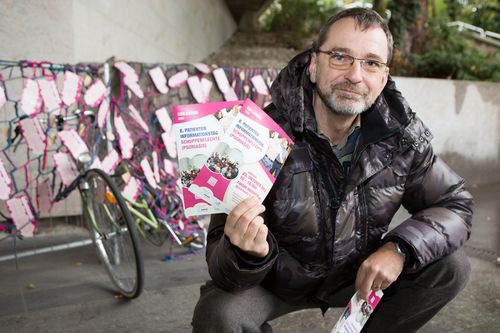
{"points": [[322, 232]]}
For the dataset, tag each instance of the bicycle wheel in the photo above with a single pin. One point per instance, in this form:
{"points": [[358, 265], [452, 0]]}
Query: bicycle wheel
{"points": [[113, 232]]}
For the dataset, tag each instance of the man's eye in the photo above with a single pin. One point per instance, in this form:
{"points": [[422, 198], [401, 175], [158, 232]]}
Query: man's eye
{"points": [[338, 57], [372, 63]]}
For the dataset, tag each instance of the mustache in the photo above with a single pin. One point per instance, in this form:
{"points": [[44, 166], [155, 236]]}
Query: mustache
{"points": [[349, 86]]}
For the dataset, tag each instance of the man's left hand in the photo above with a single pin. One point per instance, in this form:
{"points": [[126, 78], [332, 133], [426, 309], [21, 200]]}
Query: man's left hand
{"points": [[379, 270]]}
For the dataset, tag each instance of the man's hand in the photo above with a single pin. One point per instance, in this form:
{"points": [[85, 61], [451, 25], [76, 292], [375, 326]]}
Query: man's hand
{"points": [[246, 229], [379, 270]]}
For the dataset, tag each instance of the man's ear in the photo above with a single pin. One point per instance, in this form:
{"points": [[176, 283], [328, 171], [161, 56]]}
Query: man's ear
{"points": [[312, 68]]}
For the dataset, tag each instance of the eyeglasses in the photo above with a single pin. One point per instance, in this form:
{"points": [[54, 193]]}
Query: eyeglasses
{"points": [[338, 60]]}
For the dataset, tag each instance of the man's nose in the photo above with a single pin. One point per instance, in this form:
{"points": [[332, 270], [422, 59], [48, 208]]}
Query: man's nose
{"points": [[355, 73]]}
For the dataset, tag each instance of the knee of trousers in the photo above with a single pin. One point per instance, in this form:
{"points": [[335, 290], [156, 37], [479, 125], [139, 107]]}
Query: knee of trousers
{"points": [[216, 311], [449, 275]]}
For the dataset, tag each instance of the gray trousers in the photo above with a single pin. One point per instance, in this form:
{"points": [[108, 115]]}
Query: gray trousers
{"points": [[407, 304]]}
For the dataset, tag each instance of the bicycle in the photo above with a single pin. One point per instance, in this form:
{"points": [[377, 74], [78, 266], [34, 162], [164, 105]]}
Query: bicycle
{"points": [[111, 226], [105, 213]]}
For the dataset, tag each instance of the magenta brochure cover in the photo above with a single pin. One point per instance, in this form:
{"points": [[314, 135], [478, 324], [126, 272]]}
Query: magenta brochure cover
{"points": [[245, 162], [199, 128], [357, 313]]}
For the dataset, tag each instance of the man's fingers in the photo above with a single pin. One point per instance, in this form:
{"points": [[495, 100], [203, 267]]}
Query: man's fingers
{"points": [[364, 281], [245, 220], [244, 213], [261, 234], [241, 208], [253, 228]]}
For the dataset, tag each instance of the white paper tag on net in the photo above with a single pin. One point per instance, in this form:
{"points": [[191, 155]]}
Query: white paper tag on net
{"points": [[164, 119], [205, 69], [130, 78], [102, 113], [230, 95], [34, 135], [137, 117], [50, 95], [22, 215], [132, 189], [159, 79], [3, 98], [178, 79], [156, 167], [65, 167], [206, 86], [127, 70], [170, 145], [73, 142], [134, 86], [5, 182], [196, 89], [44, 197], [72, 88], [95, 93], [31, 100], [221, 79], [260, 85], [125, 139], [110, 162], [148, 173], [169, 167]]}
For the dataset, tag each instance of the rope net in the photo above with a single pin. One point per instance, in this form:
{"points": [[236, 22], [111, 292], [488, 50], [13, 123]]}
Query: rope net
{"points": [[132, 109]]}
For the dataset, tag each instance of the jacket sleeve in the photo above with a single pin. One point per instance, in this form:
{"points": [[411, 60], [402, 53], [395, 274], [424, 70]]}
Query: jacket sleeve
{"points": [[227, 267], [440, 208]]}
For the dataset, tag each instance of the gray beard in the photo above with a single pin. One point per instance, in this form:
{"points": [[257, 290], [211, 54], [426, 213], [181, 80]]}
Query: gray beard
{"points": [[337, 108]]}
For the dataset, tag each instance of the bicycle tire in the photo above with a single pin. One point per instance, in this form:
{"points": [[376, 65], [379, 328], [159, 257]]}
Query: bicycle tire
{"points": [[113, 233]]}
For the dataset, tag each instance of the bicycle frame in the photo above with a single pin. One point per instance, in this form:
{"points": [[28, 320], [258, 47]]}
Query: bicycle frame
{"points": [[150, 219]]}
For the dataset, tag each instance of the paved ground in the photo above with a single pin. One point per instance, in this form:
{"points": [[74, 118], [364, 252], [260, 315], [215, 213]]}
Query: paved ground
{"points": [[68, 291]]}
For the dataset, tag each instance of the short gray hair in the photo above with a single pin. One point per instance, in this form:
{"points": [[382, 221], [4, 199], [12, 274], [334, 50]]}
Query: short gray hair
{"points": [[365, 19]]}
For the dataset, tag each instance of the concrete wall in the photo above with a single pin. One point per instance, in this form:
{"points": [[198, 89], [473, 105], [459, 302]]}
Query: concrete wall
{"points": [[70, 31], [464, 117]]}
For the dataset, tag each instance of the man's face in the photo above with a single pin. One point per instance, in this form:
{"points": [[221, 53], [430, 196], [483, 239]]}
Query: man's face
{"points": [[350, 91]]}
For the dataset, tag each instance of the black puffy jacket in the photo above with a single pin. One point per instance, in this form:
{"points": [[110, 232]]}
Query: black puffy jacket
{"points": [[324, 222]]}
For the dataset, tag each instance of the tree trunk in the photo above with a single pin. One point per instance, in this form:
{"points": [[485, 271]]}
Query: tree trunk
{"points": [[411, 18], [418, 44]]}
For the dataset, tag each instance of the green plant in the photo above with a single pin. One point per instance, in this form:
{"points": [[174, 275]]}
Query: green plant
{"points": [[449, 55], [299, 18]]}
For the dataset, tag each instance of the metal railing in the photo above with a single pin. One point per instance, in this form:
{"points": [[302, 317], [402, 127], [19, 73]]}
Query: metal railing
{"points": [[462, 26]]}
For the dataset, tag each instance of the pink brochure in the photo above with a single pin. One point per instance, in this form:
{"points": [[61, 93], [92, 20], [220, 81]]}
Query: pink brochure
{"points": [[246, 162], [198, 129], [357, 313]]}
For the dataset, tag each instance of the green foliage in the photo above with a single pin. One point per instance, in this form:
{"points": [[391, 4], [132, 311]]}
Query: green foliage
{"points": [[299, 18], [483, 13], [449, 55]]}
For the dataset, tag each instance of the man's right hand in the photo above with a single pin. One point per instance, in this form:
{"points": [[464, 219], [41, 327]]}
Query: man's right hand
{"points": [[245, 228]]}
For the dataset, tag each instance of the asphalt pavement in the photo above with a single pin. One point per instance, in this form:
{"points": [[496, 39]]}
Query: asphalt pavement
{"points": [[67, 290]]}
